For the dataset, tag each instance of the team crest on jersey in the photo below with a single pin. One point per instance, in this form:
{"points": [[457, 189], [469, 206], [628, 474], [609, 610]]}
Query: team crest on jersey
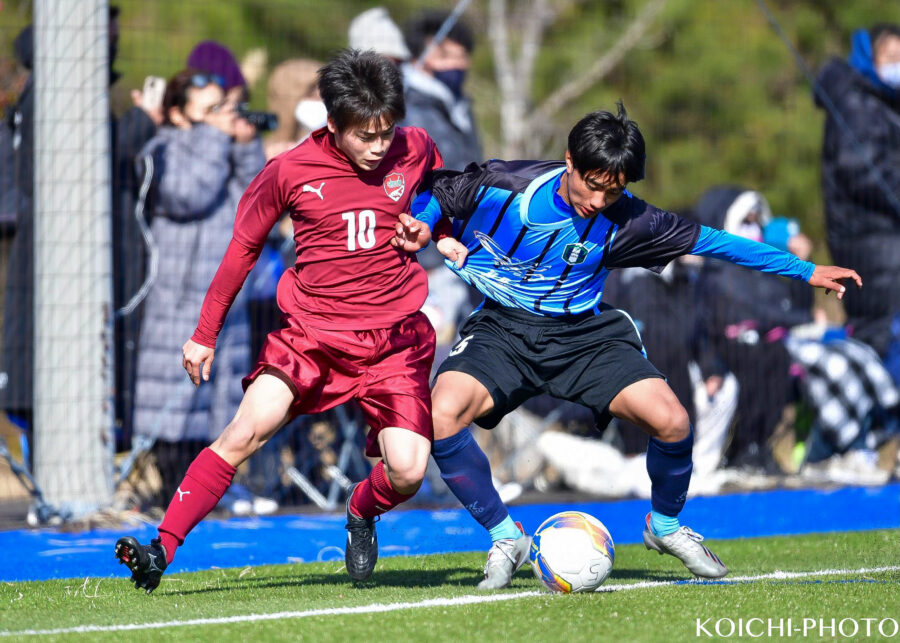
{"points": [[394, 185], [575, 253]]}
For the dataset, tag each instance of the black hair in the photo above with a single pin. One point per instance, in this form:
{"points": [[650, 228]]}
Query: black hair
{"points": [[606, 142], [425, 25], [176, 94], [358, 87], [882, 29]]}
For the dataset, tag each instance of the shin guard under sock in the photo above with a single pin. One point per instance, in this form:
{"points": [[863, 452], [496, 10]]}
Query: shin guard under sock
{"points": [[204, 484], [669, 465], [467, 472]]}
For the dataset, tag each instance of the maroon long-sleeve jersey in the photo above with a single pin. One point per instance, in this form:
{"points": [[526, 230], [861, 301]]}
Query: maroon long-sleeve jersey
{"points": [[347, 275]]}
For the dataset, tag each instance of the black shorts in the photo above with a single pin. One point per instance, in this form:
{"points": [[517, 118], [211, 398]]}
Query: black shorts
{"points": [[516, 355]]}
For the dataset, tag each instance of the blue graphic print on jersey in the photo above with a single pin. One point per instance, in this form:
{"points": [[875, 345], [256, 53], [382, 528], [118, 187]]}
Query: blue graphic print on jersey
{"points": [[529, 250], [554, 269]]}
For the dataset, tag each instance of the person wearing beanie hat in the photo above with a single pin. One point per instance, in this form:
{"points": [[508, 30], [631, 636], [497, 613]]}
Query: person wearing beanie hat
{"points": [[215, 58], [373, 29]]}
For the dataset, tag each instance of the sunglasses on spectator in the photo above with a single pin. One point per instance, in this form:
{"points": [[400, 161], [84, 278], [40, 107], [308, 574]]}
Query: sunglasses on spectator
{"points": [[202, 80]]}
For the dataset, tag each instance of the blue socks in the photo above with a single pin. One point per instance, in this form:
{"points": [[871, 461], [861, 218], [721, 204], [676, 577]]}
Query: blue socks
{"points": [[467, 472], [662, 525], [506, 529], [669, 465]]}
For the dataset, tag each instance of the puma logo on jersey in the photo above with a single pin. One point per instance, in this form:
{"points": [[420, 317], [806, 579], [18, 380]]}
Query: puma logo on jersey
{"points": [[317, 191], [181, 494]]}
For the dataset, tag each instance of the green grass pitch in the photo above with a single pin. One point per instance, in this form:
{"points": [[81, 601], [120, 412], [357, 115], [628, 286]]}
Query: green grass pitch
{"points": [[433, 598]]}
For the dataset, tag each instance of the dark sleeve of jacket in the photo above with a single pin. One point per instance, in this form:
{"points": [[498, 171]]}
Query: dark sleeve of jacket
{"points": [[647, 236], [456, 192], [21, 122], [132, 131], [861, 151], [733, 294], [457, 147]]}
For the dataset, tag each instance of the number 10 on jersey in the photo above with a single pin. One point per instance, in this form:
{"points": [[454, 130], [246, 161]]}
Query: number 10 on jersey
{"points": [[360, 229]]}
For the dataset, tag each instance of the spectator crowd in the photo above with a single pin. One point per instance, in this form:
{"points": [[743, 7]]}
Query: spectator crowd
{"points": [[779, 390]]}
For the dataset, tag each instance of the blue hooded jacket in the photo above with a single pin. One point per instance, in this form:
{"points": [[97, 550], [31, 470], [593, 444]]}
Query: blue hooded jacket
{"points": [[861, 176], [862, 59]]}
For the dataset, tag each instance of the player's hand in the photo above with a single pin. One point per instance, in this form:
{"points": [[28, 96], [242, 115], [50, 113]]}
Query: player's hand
{"points": [[197, 359], [830, 278], [453, 250], [410, 234]]}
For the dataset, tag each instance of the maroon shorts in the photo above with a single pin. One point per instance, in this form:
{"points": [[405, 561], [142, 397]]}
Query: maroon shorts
{"points": [[386, 370]]}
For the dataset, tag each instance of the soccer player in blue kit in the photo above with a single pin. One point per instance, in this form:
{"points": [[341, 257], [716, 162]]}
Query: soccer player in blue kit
{"points": [[538, 239]]}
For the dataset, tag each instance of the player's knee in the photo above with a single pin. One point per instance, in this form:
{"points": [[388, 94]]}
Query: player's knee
{"points": [[407, 477], [449, 417], [240, 438], [673, 424]]}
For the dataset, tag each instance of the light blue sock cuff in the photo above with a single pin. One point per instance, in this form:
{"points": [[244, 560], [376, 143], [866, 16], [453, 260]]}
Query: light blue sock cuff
{"points": [[506, 529], [663, 525]]}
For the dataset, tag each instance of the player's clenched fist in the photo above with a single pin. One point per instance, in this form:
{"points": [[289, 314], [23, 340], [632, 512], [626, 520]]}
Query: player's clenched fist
{"points": [[453, 250]]}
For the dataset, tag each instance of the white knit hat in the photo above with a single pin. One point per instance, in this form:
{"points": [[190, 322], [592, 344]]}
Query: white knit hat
{"points": [[374, 29]]}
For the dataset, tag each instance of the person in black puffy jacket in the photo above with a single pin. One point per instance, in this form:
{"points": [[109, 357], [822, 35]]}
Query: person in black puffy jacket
{"points": [[861, 181]]}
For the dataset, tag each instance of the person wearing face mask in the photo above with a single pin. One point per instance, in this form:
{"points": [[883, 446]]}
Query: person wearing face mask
{"points": [[433, 80], [292, 94], [194, 171], [861, 181], [433, 84]]}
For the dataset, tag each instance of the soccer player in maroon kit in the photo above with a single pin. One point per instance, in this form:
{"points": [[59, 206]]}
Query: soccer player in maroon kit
{"points": [[352, 326]]}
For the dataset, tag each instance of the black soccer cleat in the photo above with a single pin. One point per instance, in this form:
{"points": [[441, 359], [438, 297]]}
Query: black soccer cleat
{"points": [[146, 562], [361, 552]]}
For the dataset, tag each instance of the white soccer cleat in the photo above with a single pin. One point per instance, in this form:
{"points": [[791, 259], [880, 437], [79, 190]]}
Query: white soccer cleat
{"points": [[504, 559], [686, 545]]}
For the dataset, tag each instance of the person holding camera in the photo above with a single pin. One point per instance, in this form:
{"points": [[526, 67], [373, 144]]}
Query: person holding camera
{"points": [[215, 58], [194, 171]]}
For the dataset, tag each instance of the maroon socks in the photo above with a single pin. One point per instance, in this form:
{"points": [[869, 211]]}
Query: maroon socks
{"points": [[375, 495], [204, 484]]}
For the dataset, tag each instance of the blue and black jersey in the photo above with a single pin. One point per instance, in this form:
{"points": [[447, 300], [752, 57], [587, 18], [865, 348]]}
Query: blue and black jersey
{"points": [[529, 250]]}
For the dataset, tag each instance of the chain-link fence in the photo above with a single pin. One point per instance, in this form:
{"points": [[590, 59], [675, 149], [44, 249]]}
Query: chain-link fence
{"points": [[776, 121]]}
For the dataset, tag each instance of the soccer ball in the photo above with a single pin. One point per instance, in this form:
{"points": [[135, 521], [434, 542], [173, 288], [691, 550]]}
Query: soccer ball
{"points": [[572, 552]]}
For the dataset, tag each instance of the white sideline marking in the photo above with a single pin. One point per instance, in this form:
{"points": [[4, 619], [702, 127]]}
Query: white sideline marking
{"points": [[433, 602], [776, 575]]}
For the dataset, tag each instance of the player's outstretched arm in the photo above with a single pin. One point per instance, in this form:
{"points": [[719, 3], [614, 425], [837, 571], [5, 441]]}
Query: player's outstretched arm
{"points": [[410, 234], [197, 359], [830, 278]]}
